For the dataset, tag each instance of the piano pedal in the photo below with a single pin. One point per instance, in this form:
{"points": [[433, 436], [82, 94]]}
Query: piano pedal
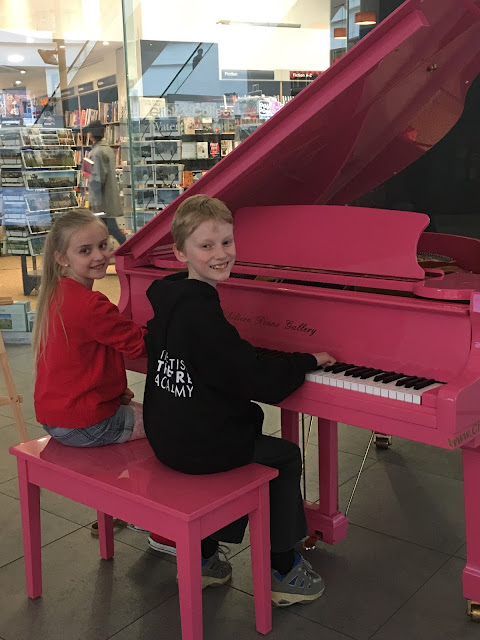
{"points": [[310, 543], [382, 441], [473, 610]]}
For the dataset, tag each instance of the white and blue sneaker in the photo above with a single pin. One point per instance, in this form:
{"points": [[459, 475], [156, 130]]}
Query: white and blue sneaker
{"points": [[301, 584]]}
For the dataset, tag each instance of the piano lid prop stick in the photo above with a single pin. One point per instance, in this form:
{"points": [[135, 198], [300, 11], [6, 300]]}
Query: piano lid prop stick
{"points": [[360, 472]]}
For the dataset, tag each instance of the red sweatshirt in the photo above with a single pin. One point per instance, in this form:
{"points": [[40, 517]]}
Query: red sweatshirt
{"points": [[80, 380]]}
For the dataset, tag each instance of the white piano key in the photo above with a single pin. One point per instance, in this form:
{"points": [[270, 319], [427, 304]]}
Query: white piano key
{"points": [[390, 391]]}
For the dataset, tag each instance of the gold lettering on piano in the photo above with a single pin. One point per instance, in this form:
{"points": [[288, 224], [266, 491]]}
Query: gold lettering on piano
{"points": [[302, 327], [263, 321]]}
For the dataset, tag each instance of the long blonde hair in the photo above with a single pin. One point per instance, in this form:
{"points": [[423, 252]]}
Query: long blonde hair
{"points": [[56, 243]]}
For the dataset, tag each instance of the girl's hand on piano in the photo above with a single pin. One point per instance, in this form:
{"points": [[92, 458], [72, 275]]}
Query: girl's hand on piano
{"points": [[324, 359], [127, 396]]}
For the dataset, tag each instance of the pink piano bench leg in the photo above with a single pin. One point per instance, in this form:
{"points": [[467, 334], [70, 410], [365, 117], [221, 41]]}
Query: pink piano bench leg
{"points": [[471, 573], [259, 522], [32, 543], [105, 535]]}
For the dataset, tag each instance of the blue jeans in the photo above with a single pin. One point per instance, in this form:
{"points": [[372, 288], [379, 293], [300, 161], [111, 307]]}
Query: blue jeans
{"points": [[113, 430]]}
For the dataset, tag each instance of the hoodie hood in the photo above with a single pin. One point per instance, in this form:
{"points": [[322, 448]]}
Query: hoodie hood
{"points": [[169, 293]]}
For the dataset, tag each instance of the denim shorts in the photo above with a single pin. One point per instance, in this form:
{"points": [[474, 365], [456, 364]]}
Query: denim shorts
{"points": [[113, 430]]}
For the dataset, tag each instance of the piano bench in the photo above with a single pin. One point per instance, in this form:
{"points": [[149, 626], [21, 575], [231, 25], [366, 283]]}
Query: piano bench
{"points": [[127, 480]]}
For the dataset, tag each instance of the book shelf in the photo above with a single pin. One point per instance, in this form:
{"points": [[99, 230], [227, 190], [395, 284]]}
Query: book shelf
{"points": [[93, 104], [170, 153], [38, 182]]}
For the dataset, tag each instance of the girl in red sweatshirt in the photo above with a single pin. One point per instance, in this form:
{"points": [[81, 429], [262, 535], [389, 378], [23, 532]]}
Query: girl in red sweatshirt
{"points": [[80, 337]]}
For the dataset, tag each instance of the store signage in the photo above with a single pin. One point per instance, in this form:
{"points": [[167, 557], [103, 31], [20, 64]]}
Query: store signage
{"points": [[247, 74], [87, 86], [234, 74], [108, 81], [304, 75], [67, 93]]}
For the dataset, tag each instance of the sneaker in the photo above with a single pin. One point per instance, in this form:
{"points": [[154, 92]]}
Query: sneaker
{"points": [[301, 584], [117, 524], [134, 527], [215, 571], [159, 543]]}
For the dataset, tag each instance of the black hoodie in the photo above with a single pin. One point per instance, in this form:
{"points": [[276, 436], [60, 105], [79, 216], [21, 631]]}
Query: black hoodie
{"points": [[202, 377]]}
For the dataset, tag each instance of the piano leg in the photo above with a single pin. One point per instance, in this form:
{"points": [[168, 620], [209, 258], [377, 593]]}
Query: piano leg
{"points": [[325, 522], [471, 573]]}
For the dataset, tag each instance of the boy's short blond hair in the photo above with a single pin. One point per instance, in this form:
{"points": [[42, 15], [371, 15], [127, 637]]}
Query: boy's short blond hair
{"points": [[195, 210]]}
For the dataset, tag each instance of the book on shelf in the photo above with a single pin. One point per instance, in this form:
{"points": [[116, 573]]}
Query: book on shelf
{"points": [[169, 175], [189, 126], [225, 147], [189, 150], [167, 150], [167, 126], [108, 111], [202, 150]]}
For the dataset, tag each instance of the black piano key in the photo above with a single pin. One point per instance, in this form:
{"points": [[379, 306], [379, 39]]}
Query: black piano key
{"points": [[409, 385], [330, 367], [370, 373], [392, 378], [400, 383], [381, 376], [425, 383], [357, 374], [341, 366], [354, 369]]}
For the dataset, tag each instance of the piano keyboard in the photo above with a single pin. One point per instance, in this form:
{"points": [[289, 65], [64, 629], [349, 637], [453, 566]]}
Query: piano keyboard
{"points": [[385, 384], [375, 382]]}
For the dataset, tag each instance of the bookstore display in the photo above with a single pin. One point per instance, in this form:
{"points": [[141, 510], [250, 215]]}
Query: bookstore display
{"points": [[169, 153], [90, 105], [38, 178]]}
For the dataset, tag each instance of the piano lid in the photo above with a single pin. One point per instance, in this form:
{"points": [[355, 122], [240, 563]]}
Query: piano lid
{"points": [[387, 101]]}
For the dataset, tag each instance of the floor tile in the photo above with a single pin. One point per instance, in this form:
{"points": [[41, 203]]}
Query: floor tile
{"points": [[53, 503], [368, 575], [409, 504], [21, 361], [435, 612], [462, 552], [84, 597], [11, 548], [133, 377], [227, 613], [348, 466], [271, 421]]}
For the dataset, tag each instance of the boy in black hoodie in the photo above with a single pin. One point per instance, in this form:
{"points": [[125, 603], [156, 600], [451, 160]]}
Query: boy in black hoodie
{"points": [[202, 377]]}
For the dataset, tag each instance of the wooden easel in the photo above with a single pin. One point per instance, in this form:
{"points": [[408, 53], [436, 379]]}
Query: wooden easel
{"points": [[13, 398]]}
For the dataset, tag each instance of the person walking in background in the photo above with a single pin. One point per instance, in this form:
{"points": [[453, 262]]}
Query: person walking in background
{"points": [[103, 192]]}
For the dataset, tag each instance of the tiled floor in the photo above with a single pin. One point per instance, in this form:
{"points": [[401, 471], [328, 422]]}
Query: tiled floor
{"points": [[397, 575]]}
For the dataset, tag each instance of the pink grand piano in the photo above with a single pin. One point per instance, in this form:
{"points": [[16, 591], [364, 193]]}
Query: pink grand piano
{"points": [[313, 274]]}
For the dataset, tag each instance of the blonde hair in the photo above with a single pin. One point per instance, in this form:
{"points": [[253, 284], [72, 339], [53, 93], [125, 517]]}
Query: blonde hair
{"points": [[56, 243], [195, 210]]}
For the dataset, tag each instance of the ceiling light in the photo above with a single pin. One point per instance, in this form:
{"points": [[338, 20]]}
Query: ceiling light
{"points": [[15, 57], [18, 82], [290, 25], [61, 46], [105, 43], [366, 18], [22, 71], [340, 33]]}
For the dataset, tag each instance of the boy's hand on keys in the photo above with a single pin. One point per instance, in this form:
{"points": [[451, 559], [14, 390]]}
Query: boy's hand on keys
{"points": [[127, 396], [324, 359]]}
